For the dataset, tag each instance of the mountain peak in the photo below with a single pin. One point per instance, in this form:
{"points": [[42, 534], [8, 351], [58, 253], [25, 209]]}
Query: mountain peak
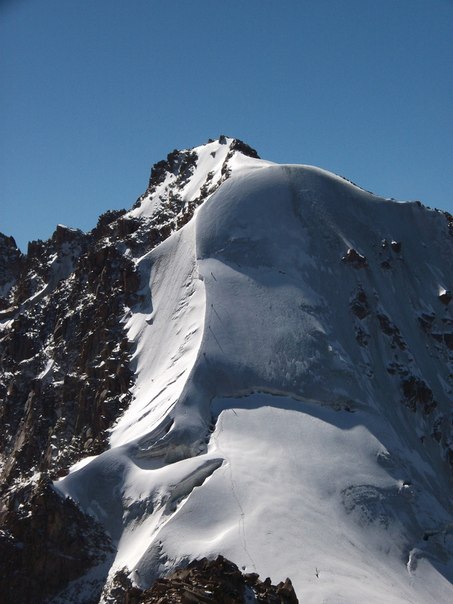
{"points": [[256, 358], [182, 163], [188, 177]]}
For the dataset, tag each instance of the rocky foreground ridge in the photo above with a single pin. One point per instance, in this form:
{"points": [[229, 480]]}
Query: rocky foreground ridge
{"points": [[205, 582]]}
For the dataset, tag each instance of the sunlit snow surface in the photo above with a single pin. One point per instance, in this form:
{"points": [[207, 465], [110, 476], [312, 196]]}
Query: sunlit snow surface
{"points": [[260, 429]]}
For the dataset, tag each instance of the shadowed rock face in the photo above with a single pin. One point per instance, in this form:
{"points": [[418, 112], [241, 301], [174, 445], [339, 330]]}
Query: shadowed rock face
{"points": [[46, 542], [205, 581], [64, 355], [64, 377], [10, 267]]}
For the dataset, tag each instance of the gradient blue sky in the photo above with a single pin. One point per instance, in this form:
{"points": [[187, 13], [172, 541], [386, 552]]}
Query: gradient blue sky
{"points": [[95, 91]]}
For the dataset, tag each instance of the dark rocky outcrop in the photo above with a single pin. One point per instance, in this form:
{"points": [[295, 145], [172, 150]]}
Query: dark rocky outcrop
{"points": [[64, 361], [238, 145], [426, 322], [445, 297], [396, 246], [449, 219], [10, 267], [179, 163], [205, 582], [64, 378], [418, 395], [391, 330], [355, 259], [359, 304]]}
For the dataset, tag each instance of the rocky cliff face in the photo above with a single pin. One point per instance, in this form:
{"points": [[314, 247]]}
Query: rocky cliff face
{"points": [[65, 371], [10, 268]]}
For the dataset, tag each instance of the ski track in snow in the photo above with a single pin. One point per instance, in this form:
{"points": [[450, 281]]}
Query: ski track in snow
{"points": [[242, 529]]}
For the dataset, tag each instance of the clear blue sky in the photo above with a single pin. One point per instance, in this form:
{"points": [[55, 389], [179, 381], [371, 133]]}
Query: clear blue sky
{"points": [[95, 91]]}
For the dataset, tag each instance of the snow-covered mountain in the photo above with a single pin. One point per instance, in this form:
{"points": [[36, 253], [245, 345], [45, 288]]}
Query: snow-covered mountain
{"points": [[255, 361]]}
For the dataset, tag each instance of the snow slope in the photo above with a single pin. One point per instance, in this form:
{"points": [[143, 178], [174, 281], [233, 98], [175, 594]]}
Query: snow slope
{"points": [[268, 422]]}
